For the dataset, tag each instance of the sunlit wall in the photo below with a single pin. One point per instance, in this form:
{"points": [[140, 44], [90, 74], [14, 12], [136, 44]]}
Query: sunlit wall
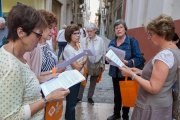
{"points": [[7, 4]]}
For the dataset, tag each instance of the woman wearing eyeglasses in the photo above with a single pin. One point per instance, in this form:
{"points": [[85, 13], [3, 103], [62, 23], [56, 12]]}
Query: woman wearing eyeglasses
{"points": [[20, 97], [72, 36], [42, 59], [154, 101]]}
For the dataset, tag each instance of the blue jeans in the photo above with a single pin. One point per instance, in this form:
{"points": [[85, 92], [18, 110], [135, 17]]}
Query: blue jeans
{"points": [[71, 101], [61, 46]]}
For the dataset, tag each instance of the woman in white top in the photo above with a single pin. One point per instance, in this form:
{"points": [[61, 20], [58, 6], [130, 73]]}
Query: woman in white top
{"points": [[72, 35], [20, 97]]}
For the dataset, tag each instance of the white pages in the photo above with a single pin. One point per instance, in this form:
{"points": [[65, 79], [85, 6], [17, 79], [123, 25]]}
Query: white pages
{"points": [[73, 59], [120, 53], [64, 80], [115, 60]]}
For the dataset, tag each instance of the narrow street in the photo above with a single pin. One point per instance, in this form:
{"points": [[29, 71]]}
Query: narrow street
{"points": [[103, 98]]}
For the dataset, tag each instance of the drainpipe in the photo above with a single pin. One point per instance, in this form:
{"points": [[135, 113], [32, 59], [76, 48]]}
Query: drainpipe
{"points": [[124, 9]]}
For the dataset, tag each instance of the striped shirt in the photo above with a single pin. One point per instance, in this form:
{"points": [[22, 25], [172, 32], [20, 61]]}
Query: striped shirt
{"points": [[49, 58]]}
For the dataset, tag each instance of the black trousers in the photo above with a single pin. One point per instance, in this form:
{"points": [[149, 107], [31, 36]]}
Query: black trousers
{"points": [[118, 100]]}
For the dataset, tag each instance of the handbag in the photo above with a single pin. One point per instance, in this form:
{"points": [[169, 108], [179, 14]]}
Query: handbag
{"points": [[99, 77], [83, 83], [129, 90], [94, 69], [53, 110]]}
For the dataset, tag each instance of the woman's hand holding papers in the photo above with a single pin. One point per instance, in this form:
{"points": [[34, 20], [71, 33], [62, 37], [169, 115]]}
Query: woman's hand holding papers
{"points": [[60, 70], [47, 77], [125, 62], [137, 71], [57, 94], [83, 61], [126, 71]]}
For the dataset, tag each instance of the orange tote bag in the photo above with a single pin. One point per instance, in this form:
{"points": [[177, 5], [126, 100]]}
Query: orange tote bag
{"points": [[129, 90], [53, 110]]}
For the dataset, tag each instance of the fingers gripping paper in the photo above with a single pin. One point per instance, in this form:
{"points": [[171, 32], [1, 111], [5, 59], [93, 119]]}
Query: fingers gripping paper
{"points": [[114, 59], [120, 53]]}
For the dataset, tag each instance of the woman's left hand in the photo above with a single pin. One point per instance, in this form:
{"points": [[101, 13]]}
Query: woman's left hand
{"points": [[48, 77], [60, 70], [126, 71], [125, 62]]}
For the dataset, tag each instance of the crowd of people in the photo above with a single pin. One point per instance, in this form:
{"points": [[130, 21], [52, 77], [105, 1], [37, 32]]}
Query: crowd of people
{"points": [[27, 61]]}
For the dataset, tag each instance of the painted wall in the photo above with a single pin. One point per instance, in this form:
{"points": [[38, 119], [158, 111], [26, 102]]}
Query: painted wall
{"points": [[146, 46], [7, 4], [139, 12]]}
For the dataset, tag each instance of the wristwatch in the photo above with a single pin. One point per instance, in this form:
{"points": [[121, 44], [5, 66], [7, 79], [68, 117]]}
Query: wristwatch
{"points": [[44, 102]]}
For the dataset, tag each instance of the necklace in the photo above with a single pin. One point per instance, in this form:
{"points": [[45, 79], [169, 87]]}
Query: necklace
{"points": [[75, 46], [19, 58]]}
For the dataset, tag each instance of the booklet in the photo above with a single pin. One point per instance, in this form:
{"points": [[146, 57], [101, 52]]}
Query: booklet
{"points": [[64, 80], [73, 59], [120, 53], [114, 59]]}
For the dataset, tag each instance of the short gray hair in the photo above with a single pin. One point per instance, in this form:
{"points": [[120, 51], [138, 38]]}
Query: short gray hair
{"points": [[2, 20], [120, 21], [91, 26]]}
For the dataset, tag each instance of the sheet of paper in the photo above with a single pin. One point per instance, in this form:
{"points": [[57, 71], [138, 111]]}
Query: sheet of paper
{"points": [[64, 80], [114, 59], [88, 52], [75, 58], [120, 53]]}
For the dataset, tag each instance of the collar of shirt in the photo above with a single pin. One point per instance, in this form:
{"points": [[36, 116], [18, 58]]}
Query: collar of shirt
{"points": [[95, 38], [126, 41]]}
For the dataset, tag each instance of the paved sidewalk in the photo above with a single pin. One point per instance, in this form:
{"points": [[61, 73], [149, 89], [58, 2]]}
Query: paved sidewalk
{"points": [[98, 111], [104, 89], [103, 98]]}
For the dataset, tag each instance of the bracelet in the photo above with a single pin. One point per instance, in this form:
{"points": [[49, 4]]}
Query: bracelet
{"points": [[50, 71], [133, 76], [44, 102]]}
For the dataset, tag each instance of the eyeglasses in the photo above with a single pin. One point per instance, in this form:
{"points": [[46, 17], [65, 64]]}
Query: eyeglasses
{"points": [[76, 33], [38, 35]]}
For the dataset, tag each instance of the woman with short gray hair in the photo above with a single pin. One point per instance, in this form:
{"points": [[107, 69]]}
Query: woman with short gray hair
{"points": [[133, 58], [91, 26], [95, 64]]}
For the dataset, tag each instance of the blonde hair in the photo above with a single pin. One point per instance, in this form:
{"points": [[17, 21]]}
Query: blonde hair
{"points": [[163, 26]]}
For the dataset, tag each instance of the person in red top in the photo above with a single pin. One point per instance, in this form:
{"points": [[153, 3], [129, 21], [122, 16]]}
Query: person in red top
{"points": [[54, 35]]}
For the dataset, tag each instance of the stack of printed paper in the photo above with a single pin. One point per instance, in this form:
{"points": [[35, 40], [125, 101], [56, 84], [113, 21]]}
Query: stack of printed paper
{"points": [[114, 59], [64, 80]]}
